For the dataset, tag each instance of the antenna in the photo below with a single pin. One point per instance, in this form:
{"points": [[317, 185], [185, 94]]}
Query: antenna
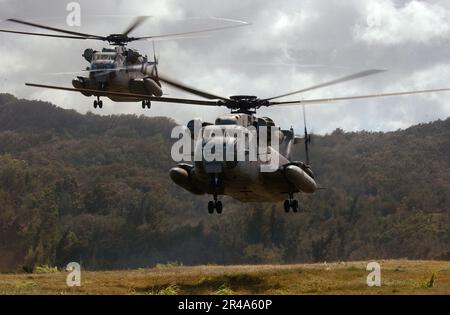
{"points": [[155, 60], [307, 136]]}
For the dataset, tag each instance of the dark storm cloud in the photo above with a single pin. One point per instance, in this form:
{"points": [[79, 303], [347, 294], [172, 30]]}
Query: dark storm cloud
{"points": [[290, 45]]}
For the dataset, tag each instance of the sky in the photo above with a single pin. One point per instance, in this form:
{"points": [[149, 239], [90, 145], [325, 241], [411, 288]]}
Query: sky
{"points": [[290, 45]]}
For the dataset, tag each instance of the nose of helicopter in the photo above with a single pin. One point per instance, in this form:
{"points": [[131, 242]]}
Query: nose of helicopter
{"points": [[101, 69], [219, 153], [102, 65]]}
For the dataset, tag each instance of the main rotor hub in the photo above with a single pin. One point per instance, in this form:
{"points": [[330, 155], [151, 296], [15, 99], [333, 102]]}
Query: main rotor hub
{"points": [[244, 98], [247, 104], [118, 39]]}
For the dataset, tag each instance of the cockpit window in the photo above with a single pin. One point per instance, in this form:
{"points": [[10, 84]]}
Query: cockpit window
{"points": [[104, 57], [226, 121]]}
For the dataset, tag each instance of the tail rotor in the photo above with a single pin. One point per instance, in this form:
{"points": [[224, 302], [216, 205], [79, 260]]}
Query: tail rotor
{"points": [[155, 62], [307, 138]]}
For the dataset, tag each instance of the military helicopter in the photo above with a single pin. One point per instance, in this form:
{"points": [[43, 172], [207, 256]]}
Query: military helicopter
{"points": [[243, 181], [117, 68]]}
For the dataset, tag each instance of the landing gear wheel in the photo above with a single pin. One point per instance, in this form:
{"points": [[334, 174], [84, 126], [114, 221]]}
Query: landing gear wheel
{"points": [[146, 104], [287, 206], [291, 203], [219, 207], [211, 207], [98, 103], [294, 206], [215, 206]]}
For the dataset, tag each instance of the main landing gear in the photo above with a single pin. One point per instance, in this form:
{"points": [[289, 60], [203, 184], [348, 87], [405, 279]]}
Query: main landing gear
{"points": [[215, 205], [98, 103], [291, 203], [147, 104]]}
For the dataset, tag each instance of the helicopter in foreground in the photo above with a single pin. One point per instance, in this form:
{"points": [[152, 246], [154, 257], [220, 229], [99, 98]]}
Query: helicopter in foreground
{"points": [[117, 68], [243, 180]]}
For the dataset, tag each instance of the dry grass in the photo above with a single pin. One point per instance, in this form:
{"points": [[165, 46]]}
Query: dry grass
{"points": [[398, 277]]}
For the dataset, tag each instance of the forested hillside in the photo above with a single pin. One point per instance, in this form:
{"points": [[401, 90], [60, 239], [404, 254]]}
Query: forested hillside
{"points": [[95, 189]]}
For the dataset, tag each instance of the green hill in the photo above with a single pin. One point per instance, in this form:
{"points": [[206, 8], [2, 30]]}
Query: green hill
{"points": [[94, 189]]}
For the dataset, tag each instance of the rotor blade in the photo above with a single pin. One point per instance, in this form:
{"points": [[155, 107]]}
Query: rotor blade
{"points": [[128, 68], [341, 80], [45, 35], [264, 64], [56, 29], [193, 32], [128, 95], [137, 22], [360, 97], [191, 90], [307, 137], [155, 62], [304, 117]]}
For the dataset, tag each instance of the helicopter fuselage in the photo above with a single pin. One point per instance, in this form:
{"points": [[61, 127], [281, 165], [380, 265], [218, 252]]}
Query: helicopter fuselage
{"points": [[121, 70], [244, 180]]}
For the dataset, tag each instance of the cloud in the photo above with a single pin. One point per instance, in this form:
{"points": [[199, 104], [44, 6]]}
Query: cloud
{"points": [[414, 22], [290, 45]]}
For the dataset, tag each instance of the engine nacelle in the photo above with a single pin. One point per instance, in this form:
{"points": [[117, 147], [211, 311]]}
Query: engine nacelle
{"points": [[89, 54], [148, 69], [269, 124], [152, 87], [132, 56], [181, 177], [81, 83], [199, 123], [300, 179]]}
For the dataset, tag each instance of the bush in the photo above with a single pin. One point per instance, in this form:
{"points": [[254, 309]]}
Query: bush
{"points": [[170, 264], [45, 269]]}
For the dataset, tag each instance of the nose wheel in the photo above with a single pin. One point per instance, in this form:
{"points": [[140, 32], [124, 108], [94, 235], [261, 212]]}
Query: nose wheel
{"points": [[146, 104], [215, 205], [98, 103], [291, 203]]}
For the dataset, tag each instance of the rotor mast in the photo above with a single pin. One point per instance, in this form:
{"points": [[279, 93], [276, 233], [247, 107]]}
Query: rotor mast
{"points": [[243, 104]]}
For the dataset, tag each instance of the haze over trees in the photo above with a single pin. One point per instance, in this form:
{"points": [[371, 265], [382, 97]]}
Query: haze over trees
{"points": [[95, 189]]}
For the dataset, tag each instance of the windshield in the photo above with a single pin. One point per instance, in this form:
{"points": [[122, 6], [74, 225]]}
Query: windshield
{"points": [[104, 57], [224, 121]]}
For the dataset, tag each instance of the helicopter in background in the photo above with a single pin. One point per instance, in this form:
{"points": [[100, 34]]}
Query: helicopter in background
{"points": [[117, 68], [243, 180]]}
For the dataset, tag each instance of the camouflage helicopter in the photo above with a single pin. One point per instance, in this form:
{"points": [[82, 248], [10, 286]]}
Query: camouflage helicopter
{"points": [[243, 181], [117, 68]]}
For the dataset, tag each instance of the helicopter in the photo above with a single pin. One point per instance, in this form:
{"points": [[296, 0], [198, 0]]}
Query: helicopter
{"points": [[117, 68], [243, 180]]}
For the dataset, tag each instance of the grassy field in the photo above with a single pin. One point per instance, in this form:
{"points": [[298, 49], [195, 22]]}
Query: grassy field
{"points": [[398, 277]]}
